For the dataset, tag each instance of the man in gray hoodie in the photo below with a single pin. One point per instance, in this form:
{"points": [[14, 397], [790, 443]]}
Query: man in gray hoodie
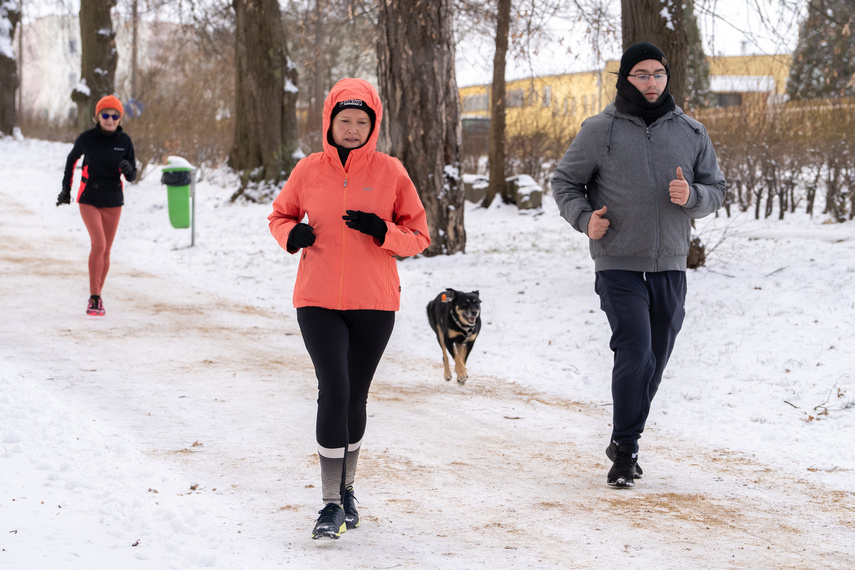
{"points": [[632, 180]]}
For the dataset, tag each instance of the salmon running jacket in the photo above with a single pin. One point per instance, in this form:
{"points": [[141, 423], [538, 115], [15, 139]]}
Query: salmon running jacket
{"points": [[345, 269]]}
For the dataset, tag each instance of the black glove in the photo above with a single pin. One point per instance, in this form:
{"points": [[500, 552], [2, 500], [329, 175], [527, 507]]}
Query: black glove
{"points": [[302, 235], [367, 223], [64, 197], [127, 168]]}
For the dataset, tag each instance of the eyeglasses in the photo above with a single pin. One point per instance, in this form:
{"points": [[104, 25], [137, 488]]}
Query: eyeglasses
{"points": [[645, 77], [106, 116]]}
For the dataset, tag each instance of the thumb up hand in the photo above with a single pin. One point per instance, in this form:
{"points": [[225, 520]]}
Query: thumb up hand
{"points": [[679, 189], [598, 225]]}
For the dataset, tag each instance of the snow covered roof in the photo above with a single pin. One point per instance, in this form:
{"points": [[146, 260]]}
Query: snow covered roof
{"points": [[742, 83]]}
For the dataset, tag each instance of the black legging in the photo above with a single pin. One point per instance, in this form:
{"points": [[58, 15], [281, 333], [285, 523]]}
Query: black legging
{"points": [[345, 348]]}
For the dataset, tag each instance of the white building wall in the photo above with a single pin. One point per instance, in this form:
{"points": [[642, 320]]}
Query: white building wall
{"points": [[51, 62]]}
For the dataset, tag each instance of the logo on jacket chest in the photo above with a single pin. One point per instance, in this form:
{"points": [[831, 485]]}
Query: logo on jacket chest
{"points": [[368, 188]]}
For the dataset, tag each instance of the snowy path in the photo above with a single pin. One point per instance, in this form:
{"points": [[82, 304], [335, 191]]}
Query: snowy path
{"points": [[183, 422]]}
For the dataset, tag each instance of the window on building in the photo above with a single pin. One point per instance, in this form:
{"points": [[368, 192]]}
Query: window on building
{"points": [[515, 98], [533, 96], [473, 103], [72, 47], [547, 96], [728, 99]]}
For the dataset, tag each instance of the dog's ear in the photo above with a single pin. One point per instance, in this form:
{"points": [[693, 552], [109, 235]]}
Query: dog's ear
{"points": [[476, 293], [448, 295]]}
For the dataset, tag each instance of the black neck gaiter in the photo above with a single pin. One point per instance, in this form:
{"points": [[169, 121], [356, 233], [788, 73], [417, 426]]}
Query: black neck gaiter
{"points": [[631, 101]]}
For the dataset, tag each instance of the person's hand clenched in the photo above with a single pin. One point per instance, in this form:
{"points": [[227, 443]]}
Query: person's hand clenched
{"points": [[598, 225], [366, 222], [302, 235], [64, 197]]}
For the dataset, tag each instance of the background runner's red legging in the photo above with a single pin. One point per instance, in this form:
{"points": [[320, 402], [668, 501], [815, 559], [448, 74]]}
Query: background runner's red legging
{"points": [[102, 224]]}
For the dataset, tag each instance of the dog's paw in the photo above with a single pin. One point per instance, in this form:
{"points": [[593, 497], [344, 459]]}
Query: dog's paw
{"points": [[448, 378], [462, 379]]}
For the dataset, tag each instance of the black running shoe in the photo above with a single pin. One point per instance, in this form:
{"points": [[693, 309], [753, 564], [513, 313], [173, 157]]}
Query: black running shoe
{"points": [[622, 473], [331, 522], [611, 453], [351, 516]]}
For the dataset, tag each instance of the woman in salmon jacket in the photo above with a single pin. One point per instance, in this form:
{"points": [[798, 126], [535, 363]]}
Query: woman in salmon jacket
{"points": [[351, 210]]}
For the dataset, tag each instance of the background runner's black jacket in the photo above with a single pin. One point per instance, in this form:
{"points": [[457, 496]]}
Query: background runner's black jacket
{"points": [[100, 184]]}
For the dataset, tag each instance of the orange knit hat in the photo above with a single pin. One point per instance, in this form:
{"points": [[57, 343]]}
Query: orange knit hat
{"points": [[110, 102]]}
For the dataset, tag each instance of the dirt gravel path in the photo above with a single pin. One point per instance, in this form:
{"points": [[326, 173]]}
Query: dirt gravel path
{"points": [[450, 477]]}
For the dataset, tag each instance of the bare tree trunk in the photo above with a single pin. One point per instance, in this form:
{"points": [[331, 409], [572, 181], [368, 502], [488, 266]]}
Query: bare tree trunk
{"points": [[319, 71], [266, 95], [98, 58], [135, 21], [418, 83], [659, 22], [11, 13], [497, 106]]}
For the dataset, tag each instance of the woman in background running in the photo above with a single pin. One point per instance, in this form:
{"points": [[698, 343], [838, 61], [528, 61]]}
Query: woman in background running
{"points": [[107, 153]]}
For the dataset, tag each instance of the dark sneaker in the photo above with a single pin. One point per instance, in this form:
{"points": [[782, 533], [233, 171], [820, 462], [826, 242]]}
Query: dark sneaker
{"points": [[101, 310], [351, 516], [611, 453], [622, 473], [331, 522]]}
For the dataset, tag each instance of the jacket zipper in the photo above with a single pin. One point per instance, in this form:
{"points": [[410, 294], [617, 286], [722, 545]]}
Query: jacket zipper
{"points": [[343, 245], [655, 198]]}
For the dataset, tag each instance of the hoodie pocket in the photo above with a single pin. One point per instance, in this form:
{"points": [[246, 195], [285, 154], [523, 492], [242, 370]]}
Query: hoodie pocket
{"points": [[303, 269]]}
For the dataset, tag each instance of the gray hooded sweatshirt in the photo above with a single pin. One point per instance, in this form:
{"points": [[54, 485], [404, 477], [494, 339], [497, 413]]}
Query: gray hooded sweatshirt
{"points": [[619, 162]]}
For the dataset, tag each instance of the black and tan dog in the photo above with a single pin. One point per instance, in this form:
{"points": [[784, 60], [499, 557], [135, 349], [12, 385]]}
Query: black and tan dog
{"points": [[455, 317]]}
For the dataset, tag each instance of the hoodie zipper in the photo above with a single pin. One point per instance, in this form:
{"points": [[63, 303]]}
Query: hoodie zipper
{"points": [[655, 197]]}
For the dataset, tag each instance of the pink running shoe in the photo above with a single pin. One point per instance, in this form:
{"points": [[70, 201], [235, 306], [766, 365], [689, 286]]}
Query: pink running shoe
{"points": [[95, 307]]}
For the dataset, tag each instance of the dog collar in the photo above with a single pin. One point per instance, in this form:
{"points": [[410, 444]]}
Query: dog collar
{"points": [[459, 324]]}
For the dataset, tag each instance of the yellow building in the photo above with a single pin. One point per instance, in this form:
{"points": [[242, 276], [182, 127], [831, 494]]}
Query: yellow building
{"points": [[556, 104]]}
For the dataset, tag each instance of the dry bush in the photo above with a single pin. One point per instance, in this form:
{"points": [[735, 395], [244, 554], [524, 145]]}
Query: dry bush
{"points": [[538, 149], [187, 97], [775, 157], [35, 125]]}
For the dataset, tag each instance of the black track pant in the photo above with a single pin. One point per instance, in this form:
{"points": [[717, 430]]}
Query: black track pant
{"points": [[345, 348], [645, 311]]}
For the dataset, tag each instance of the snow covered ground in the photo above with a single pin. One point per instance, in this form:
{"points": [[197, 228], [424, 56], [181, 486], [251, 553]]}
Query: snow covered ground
{"points": [[178, 431]]}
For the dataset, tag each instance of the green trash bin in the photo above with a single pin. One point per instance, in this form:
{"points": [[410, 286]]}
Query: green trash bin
{"points": [[178, 178]]}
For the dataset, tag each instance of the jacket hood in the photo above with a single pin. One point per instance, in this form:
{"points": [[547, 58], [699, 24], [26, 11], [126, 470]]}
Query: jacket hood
{"points": [[344, 90]]}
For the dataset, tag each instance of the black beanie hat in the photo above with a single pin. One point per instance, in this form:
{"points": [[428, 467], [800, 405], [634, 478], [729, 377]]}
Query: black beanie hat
{"points": [[354, 104], [640, 52]]}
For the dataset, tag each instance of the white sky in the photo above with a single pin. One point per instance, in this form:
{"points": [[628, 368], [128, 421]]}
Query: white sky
{"points": [[729, 27]]}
